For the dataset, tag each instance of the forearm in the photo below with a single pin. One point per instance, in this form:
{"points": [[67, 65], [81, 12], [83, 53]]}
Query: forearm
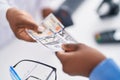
{"points": [[106, 70]]}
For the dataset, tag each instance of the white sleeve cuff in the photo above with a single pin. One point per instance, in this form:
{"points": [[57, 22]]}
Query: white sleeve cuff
{"points": [[3, 11]]}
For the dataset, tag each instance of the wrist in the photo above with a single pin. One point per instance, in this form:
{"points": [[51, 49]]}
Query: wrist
{"points": [[10, 12], [95, 62]]}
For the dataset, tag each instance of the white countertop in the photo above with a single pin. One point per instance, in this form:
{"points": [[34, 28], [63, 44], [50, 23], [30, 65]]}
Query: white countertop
{"points": [[86, 24]]}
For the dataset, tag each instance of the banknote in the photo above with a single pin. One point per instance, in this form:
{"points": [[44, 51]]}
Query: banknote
{"points": [[52, 34]]}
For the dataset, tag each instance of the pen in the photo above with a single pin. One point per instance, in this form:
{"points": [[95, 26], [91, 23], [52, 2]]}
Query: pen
{"points": [[14, 74]]}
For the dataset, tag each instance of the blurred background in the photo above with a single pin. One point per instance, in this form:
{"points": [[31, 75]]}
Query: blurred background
{"points": [[93, 22]]}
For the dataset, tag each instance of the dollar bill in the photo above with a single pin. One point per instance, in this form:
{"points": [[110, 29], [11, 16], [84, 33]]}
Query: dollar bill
{"points": [[52, 34]]}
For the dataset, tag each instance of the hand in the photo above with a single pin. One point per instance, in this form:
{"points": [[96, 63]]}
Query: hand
{"points": [[46, 12], [79, 59], [20, 21]]}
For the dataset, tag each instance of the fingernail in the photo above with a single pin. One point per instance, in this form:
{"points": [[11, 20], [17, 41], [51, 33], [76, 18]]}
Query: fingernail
{"points": [[39, 32], [67, 45], [56, 52], [41, 29], [63, 45]]}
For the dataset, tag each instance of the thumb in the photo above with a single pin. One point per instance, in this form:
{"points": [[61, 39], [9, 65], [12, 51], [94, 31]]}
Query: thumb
{"points": [[62, 56], [33, 27], [70, 47]]}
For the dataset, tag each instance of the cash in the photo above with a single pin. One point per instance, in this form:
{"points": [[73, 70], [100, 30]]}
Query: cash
{"points": [[52, 34]]}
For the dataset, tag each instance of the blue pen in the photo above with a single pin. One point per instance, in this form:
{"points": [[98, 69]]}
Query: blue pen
{"points": [[14, 74]]}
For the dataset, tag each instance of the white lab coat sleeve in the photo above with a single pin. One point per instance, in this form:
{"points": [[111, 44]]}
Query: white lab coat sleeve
{"points": [[41, 4], [53, 4], [4, 6], [6, 35]]}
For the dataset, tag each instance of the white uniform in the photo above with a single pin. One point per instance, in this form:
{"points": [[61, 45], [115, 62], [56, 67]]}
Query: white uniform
{"points": [[31, 6]]}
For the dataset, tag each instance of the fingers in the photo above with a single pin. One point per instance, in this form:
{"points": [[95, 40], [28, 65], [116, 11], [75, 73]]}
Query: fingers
{"points": [[23, 35], [33, 27], [29, 25], [46, 12], [69, 50], [70, 47], [62, 56]]}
